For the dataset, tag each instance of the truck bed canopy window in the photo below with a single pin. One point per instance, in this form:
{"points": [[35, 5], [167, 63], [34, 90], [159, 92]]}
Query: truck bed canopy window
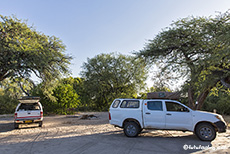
{"points": [[130, 104], [116, 103], [29, 106]]}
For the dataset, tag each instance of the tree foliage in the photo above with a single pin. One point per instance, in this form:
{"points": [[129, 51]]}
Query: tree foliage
{"points": [[65, 96], [79, 87], [219, 102], [24, 51], [156, 88], [9, 92], [109, 76], [7, 103], [196, 48]]}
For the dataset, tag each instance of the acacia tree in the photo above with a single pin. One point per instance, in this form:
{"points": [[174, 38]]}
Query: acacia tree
{"points": [[24, 51], [108, 76], [196, 48]]}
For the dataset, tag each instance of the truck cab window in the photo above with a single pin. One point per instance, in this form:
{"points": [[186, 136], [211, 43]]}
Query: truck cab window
{"points": [[172, 106], [155, 105]]}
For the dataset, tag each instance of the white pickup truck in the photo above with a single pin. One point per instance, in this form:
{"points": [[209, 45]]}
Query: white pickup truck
{"points": [[133, 115], [28, 111]]}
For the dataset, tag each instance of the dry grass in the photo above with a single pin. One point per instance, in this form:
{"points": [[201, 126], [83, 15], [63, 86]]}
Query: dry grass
{"points": [[227, 119]]}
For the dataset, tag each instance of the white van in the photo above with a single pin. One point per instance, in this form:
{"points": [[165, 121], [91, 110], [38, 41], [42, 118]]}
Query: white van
{"points": [[28, 111]]}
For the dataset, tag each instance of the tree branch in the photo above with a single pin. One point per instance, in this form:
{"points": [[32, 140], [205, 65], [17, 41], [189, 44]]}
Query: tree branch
{"points": [[225, 83]]}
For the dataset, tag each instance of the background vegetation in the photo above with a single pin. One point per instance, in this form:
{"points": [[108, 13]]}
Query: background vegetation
{"points": [[196, 49]]}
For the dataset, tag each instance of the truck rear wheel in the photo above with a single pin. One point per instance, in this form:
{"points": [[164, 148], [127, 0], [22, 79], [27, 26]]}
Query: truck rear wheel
{"points": [[131, 129], [16, 126], [40, 124], [205, 132]]}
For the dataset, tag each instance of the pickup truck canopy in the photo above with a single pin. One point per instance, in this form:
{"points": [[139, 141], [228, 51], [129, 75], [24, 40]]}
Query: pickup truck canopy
{"points": [[29, 99]]}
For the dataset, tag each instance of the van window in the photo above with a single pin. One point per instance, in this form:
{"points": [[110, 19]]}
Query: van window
{"points": [[116, 103], [130, 104], [155, 105], [29, 106]]}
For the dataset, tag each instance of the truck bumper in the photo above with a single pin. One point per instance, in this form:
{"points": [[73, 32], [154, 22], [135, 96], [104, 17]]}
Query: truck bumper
{"points": [[221, 126], [27, 121]]}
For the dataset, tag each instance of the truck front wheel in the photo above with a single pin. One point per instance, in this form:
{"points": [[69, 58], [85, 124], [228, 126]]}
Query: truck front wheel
{"points": [[131, 129], [205, 132]]}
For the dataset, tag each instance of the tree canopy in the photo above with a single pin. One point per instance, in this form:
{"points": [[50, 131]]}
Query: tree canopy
{"points": [[109, 76], [25, 51], [196, 48], [65, 94]]}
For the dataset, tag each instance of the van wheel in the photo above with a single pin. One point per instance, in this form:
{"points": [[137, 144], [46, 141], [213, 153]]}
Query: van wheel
{"points": [[16, 126], [40, 124], [131, 129], [205, 132]]}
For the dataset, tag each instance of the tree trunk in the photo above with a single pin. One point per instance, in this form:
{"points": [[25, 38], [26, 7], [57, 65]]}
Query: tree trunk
{"points": [[191, 102], [4, 75], [202, 98], [23, 89]]}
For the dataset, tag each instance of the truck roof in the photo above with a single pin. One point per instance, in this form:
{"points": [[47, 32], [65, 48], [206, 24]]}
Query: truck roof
{"points": [[165, 99]]}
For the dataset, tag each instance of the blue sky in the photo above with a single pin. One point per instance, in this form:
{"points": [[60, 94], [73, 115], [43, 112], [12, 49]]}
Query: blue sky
{"points": [[91, 27]]}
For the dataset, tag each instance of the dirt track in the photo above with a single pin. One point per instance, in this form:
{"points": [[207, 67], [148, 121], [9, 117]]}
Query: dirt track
{"points": [[70, 134]]}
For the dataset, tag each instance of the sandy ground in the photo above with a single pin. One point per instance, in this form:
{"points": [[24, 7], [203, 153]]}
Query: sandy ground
{"points": [[70, 135]]}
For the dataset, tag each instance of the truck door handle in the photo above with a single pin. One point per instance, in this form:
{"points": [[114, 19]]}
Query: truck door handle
{"points": [[147, 113], [168, 114]]}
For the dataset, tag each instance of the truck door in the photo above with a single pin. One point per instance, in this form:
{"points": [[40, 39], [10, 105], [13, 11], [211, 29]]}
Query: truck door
{"points": [[178, 116], [153, 114]]}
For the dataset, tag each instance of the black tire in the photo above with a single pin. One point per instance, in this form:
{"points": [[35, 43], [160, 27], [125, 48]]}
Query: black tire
{"points": [[140, 131], [205, 132], [16, 126], [40, 124], [131, 129]]}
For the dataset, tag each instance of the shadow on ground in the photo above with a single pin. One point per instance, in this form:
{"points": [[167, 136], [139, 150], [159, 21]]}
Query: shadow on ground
{"points": [[102, 143]]}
